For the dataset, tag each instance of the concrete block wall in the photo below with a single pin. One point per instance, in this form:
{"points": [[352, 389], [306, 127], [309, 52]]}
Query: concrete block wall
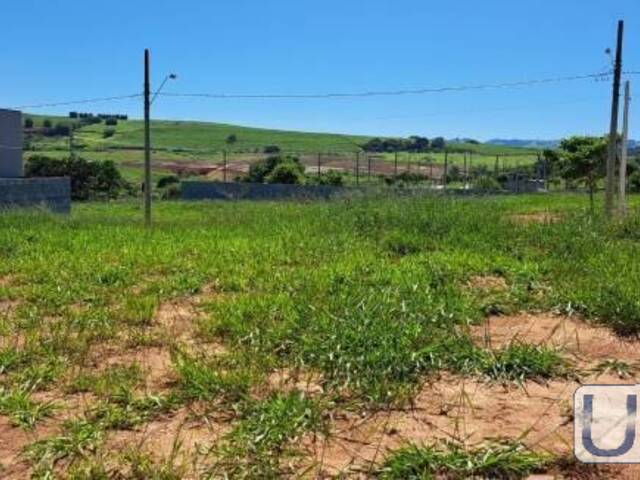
{"points": [[256, 191], [52, 193]]}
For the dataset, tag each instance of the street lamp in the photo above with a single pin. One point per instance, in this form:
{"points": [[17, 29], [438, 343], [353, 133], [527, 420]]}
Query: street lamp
{"points": [[171, 76], [147, 134]]}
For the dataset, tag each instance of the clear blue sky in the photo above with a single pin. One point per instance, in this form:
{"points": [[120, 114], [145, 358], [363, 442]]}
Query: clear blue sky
{"points": [[55, 50]]}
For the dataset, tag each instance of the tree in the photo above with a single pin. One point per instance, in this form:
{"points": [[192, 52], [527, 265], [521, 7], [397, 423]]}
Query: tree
{"points": [[271, 149], [438, 143], [231, 139], [582, 159], [28, 122], [46, 123]]}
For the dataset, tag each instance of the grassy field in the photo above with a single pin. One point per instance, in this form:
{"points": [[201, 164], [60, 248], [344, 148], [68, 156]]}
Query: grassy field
{"points": [[203, 143], [271, 340]]}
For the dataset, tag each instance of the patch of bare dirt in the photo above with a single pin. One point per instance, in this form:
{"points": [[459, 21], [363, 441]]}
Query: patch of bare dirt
{"points": [[488, 283], [13, 440], [288, 380], [180, 436], [470, 411], [587, 344], [454, 409], [535, 217]]}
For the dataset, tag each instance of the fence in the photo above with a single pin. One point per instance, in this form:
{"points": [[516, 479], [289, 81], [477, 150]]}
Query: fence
{"points": [[450, 169]]}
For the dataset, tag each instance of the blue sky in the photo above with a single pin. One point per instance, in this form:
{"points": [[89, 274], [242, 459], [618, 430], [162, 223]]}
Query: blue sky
{"points": [[57, 50]]}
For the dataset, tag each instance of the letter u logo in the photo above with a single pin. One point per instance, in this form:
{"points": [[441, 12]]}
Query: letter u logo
{"points": [[629, 434]]}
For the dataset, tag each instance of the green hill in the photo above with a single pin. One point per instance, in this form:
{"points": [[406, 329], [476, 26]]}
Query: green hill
{"points": [[184, 142]]}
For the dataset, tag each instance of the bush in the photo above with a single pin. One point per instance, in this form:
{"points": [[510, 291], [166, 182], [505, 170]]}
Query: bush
{"points": [[270, 149], [89, 179], [258, 172], [634, 182], [167, 180], [46, 123], [111, 122], [288, 173], [231, 139], [109, 132], [331, 178], [487, 184], [28, 123]]}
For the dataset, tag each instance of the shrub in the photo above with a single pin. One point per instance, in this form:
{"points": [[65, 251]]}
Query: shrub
{"points": [[28, 123], [634, 181], [487, 184], [231, 139], [167, 180], [111, 122], [46, 123], [331, 178], [89, 179], [270, 149], [258, 172], [109, 132], [287, 173]]}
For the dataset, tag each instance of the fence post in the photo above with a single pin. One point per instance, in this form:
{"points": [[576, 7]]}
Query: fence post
{"points": [[224, 166], [357, 168], [395, 168], [369, 167], [446, 170], [319, 160], [497, 166]]}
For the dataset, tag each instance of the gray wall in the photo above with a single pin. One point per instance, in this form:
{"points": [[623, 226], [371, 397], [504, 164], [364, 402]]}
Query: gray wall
{"points": [[52, 193], [10, 143], [256, 191]]}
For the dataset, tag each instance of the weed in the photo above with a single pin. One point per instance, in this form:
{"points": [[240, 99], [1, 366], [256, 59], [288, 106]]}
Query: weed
{"points": [[452, 461], [23, 411]]}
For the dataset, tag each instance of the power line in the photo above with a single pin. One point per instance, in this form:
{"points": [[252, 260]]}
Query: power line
{"points": [[77, 102], [381, 93]]}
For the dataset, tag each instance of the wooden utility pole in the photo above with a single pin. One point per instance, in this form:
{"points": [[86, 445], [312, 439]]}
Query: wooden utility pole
{"points": [[623, 156], [613, 133], [147, 142]]}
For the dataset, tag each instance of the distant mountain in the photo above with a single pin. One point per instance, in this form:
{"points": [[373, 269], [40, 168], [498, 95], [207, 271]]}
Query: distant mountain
{"points": [[516, 142], [524, 143]]}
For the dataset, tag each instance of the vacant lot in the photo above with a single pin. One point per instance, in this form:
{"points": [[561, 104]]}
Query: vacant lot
{"points": [[395, 338]]}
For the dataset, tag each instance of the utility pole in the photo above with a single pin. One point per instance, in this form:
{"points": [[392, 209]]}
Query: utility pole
{"points": [[623, 156], [613, 133], [147, 142]]}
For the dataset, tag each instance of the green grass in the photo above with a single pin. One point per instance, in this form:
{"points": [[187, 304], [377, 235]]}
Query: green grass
{"points": [[368, 296], [452, 461]]}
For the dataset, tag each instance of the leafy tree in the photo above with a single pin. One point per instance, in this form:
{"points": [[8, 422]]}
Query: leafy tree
{"points": [[28, 122], [261, 172], [231, 139], [271, 149], [582, 159], [46, 123], [89, 179], [288, 173], [111, 122], [438, 143]]}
